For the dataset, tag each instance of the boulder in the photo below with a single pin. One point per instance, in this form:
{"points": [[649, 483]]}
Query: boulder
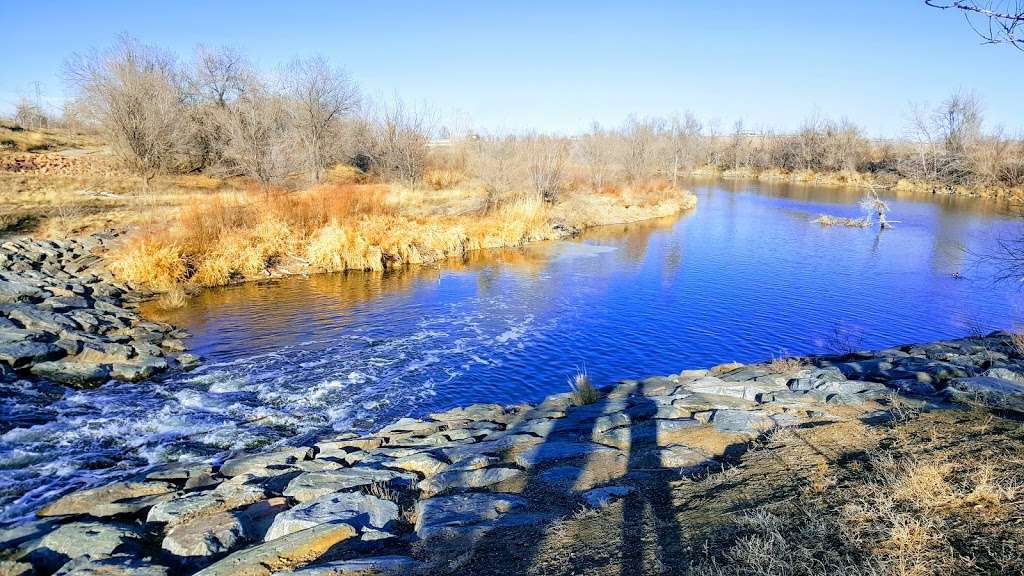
{"points": [[265, 464], [221, 532], [559, 450], [311, 485], [361, 511], [229, 495], [15, 292], [1005, 394], [450, 515], [371, 565], [461, 479], [69, 541], [602, 497], [110, 500], [26, 353], [288, 552], [113, 566], [78, 374]]}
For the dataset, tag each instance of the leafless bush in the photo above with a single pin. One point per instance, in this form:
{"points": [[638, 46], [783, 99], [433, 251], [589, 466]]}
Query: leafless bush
{"points": [[596, 152], [134, 92], [545, 158], [393, 143], [640, 150]]}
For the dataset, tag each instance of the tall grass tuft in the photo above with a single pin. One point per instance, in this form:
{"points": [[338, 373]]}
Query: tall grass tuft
{"points": [[583, 391]]}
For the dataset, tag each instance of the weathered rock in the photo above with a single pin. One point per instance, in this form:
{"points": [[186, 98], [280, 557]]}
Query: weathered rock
{"points": [[222, 532], [361, 511], [265, 464], [15, 292], [26, 353], [283, 553], [11, 568], [229, 495], [371, 565], [467, 478], [602, 497], [113, 566], [741, 421], [450, 515], [554, 451], [110, 500], [421, 463], [81, 374], [311, 485], [1005, 394], [76, 539]]}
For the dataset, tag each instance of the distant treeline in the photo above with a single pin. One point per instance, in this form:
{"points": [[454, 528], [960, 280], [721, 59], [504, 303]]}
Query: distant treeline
{"points": [[217, 114]]}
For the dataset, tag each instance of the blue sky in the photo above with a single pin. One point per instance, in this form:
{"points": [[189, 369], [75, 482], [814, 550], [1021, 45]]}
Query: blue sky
{"points": [[559, 66]]}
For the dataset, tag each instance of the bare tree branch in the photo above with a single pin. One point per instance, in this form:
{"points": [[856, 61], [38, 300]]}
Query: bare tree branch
{"points": [[1003, 20]]}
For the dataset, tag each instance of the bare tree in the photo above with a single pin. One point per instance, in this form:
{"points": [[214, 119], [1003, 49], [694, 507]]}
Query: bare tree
{"points": [[256, 128], [134, 93], [319, 98], [640, 151], [29, 114], [996, 21], [394, 142]]}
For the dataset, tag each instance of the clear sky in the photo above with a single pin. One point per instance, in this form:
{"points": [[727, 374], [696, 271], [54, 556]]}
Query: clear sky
{"points": [[559, 66]]}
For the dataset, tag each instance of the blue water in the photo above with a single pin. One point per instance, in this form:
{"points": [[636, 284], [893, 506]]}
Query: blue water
{"points": [[744, 277]]}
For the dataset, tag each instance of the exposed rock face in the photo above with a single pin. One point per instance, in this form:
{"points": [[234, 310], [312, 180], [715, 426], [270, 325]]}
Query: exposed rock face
{"points": [[109, 500], [460, 474], [283, 553], [63, 317], [359, 510]]}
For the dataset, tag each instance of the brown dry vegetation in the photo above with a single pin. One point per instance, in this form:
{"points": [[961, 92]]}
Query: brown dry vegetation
{"points": [[930, 493]]}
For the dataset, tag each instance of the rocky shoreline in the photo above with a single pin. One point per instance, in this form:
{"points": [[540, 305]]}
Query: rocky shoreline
{"points": [[420, 492], [64, 318]]}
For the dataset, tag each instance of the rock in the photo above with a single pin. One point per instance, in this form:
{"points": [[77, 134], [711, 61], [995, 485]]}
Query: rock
{"points": [[94, 539], [602, 497], [311, 485], [361, 511], [222, 532], [472, 478], [1004, 374], [11, 568], [229, 495], [421, 463], [25, 353], [188, 361], [36, 319], [449, 515], [264, 464], [78, 374], [557, 450], [475, 412], [15, 292], [372, 565], [741, 422], [283, 553], [1005, 394], [110, 500], [132, 372], [113, 566]]}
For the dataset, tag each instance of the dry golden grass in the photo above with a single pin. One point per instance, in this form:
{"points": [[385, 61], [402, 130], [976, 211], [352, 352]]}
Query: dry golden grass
{"points": [[583, 391], [827, 220], [234, 235], [784, 365], [22, 140]]}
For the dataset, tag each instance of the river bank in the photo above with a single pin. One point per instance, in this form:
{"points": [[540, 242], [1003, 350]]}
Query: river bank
{"points": [[847, 178], [439, 494]]}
